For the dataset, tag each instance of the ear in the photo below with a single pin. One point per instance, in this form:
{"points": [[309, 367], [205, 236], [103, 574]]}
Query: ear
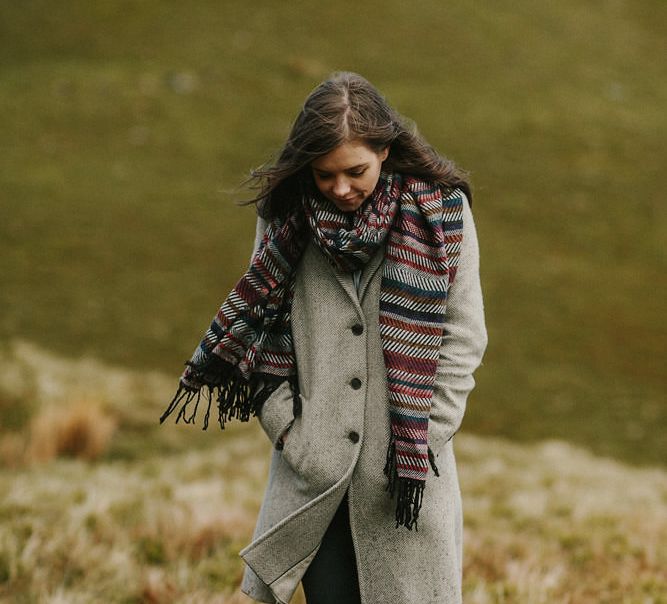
{"points": [[384, 153]]}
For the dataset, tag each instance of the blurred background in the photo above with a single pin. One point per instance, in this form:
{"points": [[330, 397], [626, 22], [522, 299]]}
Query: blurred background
{"points": [[126, 129]]}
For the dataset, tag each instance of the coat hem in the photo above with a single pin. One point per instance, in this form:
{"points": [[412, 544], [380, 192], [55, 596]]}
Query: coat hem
{"points": [[246, 553], [256, 598]]}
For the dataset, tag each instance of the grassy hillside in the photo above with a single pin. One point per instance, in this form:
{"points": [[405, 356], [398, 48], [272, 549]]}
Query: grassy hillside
{"points": [[125, 125]]}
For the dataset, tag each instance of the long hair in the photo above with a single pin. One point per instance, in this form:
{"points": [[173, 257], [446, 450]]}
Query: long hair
{"points": [[344, 108]]}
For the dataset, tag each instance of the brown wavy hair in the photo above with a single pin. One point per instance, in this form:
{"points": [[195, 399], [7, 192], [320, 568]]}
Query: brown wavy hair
{"points": [[343, 108]]}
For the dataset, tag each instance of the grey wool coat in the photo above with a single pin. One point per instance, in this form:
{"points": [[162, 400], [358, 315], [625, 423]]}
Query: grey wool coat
{"points": [[339, 442]]}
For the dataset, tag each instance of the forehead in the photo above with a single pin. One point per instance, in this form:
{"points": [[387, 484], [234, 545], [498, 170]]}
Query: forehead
{"points": [[345, 156]]}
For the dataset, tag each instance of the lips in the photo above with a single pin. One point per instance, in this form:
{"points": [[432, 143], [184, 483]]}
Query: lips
{"points": [[346, 204]]}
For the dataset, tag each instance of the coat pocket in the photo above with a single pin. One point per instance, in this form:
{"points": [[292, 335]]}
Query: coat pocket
{"points": [[292, 449], [316, 450], [277, 412]]}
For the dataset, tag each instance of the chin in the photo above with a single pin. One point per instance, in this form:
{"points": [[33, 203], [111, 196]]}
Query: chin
{"points": [[353, 207], [349, 206]]}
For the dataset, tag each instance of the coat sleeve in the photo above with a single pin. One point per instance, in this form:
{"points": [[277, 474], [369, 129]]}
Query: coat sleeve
{"points": [[463, 344]]}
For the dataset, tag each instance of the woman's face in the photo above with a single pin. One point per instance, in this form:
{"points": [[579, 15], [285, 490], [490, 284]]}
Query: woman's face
{"points": [[347, 175]]}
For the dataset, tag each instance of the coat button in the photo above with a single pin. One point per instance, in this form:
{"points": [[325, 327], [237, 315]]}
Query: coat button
{"points": [[357, 329], [355, 383], [353, 436]]}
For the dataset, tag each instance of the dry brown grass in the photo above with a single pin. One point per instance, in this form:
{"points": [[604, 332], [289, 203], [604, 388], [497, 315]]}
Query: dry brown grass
{"points": [[553, 524], [547, 523], [159, 531], [51, 407], [82, 429], [544, 524]]}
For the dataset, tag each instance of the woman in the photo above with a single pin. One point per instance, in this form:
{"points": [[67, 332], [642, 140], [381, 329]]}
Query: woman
{"points": [[353, 336]]}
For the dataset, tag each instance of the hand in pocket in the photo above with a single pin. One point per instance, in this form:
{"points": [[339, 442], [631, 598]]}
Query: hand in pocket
{"points": [[283, 437]]}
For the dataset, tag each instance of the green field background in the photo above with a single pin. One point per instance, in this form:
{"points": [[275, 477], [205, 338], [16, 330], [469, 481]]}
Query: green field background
{"points": [[127, 127]]}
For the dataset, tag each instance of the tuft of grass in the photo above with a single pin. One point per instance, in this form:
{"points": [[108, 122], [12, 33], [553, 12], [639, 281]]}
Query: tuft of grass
{"points": [[47, 386], [151, 550], [81, 430]]}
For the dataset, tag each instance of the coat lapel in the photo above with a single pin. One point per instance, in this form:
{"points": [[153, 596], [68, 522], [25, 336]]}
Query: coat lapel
{"points": [[346, 280], [369, 271], [318, 261]]}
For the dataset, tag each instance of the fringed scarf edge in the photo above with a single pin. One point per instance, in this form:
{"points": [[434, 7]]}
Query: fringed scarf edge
{"points": [[235, 395], [409, 491]]}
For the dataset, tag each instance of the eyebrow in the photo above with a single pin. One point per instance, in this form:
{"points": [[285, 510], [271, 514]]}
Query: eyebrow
{"points": [[350, 169]]}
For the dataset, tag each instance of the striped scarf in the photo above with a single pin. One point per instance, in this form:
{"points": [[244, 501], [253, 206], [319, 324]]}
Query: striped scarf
{"points": [[248, 350]]}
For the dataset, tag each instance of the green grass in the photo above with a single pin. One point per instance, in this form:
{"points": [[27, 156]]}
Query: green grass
{"points": [[125, 125]]}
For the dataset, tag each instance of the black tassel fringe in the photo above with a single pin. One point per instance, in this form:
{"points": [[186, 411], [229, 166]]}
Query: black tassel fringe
{"points": [[410, 491], [236, 397], [409, 502]]}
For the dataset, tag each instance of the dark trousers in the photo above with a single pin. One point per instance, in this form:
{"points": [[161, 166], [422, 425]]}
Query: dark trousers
{"points": [[332, 577]]}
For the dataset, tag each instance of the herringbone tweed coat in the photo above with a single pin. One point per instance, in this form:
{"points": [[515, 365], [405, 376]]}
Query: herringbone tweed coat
{"points": [[339, 441]]}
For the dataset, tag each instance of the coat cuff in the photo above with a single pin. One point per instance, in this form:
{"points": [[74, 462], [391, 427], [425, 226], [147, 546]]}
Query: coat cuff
{"points": [[277, 413]]}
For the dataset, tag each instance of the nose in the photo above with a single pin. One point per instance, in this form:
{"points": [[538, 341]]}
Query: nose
{"points": [[341, 187]]}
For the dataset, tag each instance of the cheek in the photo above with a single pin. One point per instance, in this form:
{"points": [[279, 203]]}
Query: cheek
{"points": [[321, 185], [371, 181]]}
